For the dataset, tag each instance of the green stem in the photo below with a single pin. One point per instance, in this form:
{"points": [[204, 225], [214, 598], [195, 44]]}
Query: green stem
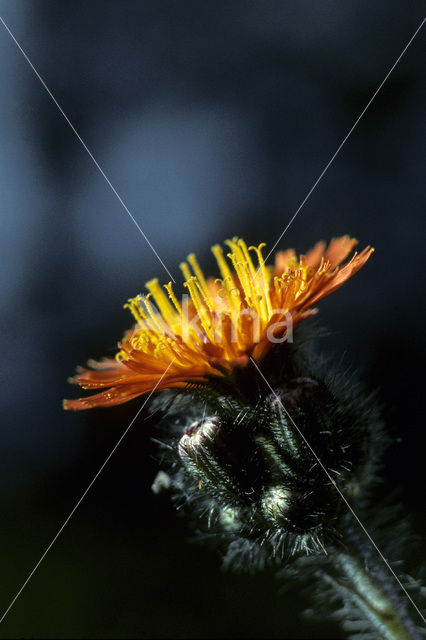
{"points": [[366, 587]]}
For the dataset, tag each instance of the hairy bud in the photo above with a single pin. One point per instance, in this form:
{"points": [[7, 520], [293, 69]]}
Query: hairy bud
{"points": [[245, 467]]}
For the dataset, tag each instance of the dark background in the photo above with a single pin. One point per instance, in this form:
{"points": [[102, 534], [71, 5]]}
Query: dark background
{"points": [[211, 119]]}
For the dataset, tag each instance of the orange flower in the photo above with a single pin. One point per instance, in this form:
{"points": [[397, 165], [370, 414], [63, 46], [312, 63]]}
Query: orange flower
{"points": [[220, 324]]}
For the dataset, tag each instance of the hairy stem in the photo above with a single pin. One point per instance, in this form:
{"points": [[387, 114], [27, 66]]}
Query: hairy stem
{"points": [[372, 598]]}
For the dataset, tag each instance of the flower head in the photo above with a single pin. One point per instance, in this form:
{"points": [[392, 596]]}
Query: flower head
{"points": [[220, 324]]}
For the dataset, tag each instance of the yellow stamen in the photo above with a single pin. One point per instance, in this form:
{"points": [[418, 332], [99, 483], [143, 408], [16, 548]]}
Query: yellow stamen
{"points": [[302, 274], [215, 328], [264, 286], [206, 297], [161, 300], [224, 269], [172, 297], [247, 258], [198, 273], [154, 318], [135, 310], [199, 306], [244, 278], [185, 270], [182, 318], [232, 294]]}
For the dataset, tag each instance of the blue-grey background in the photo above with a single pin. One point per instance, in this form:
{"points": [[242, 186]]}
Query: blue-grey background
{"points": [[211, 119]]}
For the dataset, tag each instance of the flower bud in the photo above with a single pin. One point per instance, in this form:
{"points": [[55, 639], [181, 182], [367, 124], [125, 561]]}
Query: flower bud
{"points": [[200, 434], [276, 502], [201, 449]]}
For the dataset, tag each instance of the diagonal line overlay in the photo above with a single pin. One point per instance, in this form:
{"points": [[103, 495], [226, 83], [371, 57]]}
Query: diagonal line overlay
{"points": [[86, 148], [169, 274], [335, 485], [345, 139], [80, 500]]}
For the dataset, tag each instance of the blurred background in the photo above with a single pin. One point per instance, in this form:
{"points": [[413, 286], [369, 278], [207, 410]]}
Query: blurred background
{"points": [[211, 119]]}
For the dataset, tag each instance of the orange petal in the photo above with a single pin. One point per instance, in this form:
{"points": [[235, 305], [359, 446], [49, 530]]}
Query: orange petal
{"points": [[282, 258], [313, 257], [339, 249]]}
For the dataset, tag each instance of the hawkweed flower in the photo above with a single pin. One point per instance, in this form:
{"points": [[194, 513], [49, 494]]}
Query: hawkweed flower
{"points": [[255, 463], [220, 324]]}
